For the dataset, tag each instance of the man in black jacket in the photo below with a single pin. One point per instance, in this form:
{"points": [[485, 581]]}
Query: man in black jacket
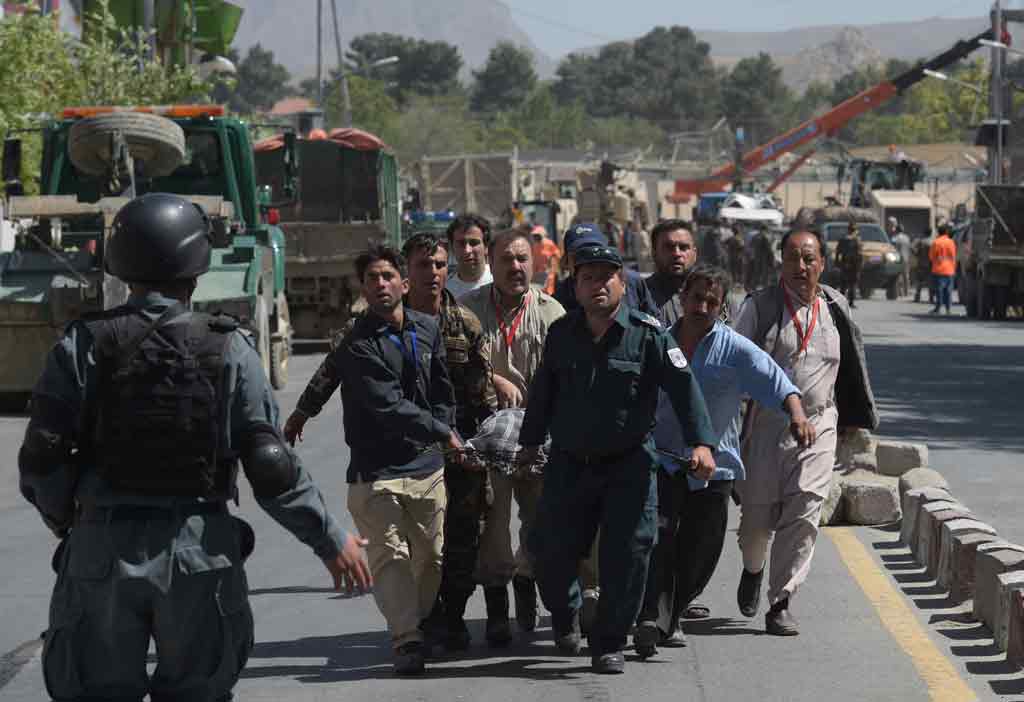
{"points": [[399, 410]]}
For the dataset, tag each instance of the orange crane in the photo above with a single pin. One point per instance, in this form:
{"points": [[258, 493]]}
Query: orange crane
{"points": [[827, 125]]}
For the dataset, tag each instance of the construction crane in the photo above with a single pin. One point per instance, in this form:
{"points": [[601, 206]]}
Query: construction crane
{"points": [[826, 125]]}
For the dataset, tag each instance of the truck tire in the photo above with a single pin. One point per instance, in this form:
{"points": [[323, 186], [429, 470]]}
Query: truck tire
{"points": [[280, 344], [892, 292], [279, 354], [156, 141], [261, 325]]}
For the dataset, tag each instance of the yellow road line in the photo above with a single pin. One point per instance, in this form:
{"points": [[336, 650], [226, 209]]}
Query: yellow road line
{"points": [[943, 681]]}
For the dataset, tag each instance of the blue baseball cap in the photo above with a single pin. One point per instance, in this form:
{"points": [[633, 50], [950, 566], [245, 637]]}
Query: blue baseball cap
{"points": [[584, 234]]}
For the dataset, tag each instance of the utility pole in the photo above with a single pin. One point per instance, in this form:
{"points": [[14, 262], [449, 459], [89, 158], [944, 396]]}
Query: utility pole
{"points": [[996, 95], [319, 54], [346, 101]]}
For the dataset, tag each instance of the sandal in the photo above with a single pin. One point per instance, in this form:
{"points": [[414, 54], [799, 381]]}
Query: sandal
{"points": [[696, 610]]}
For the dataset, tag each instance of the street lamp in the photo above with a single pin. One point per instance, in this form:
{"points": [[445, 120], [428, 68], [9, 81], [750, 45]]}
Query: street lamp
{"points": [[943, 76], [1001, 46], [346, 100]]}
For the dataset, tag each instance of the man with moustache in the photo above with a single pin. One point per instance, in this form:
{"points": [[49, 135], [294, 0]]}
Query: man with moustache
{"points": [[515, 319], [469, 236], [807, 328], [596, 392], [675, 253], [693, 513], [399, 413], [579, 237]]}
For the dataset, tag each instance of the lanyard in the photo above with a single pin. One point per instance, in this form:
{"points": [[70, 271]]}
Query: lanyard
{"points": [[396, 339], [804, 339], [509, 332]]}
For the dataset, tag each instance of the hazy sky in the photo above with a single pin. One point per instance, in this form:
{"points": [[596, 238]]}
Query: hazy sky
{"points": [[558, 26]]}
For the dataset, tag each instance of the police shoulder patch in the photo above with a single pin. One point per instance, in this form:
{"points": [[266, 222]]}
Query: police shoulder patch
{"points": [[677, 358], [646, 319]]}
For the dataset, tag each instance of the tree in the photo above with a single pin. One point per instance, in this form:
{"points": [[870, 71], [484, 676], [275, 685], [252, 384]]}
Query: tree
{"points": [[429, 68], [43, 71], [436, 125], [506, 79], [261, 82], [372, 108], [665, 77], [754, 97]]}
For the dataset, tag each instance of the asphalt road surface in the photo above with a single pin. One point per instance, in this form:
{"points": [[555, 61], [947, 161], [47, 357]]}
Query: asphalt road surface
{"points": [[874, 627]]}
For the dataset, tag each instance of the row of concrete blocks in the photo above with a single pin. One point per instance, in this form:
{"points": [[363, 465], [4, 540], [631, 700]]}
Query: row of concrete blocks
{"points": [[865, 486], [966, 557]]}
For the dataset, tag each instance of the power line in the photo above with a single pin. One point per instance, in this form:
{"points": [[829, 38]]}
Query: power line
{"points": [[555, 23]]}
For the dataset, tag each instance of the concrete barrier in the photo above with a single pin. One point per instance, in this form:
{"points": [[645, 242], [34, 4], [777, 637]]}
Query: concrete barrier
{"points": [[990, 562], [1006, 585], [911, 502], [899, 457], [958, 546], [1015, 639], [921, 538], [933, 522], [832, 508], [871, 502], [921, 478]]}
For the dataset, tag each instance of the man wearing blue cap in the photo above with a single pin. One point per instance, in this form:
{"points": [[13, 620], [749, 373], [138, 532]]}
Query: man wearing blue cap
{"points": [[580, 236], [596, 392]]}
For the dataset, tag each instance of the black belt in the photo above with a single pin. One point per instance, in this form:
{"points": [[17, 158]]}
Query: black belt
{"points": [[600, 459], [98, 513]]}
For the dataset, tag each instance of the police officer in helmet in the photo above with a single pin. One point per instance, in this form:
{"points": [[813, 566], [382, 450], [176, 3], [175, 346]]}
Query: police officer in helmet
{"points": [[139, 422]]}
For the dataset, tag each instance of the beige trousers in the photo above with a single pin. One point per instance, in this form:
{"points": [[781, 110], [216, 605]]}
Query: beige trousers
{"points": [[497, 562], [794, 522], [403, 519]]}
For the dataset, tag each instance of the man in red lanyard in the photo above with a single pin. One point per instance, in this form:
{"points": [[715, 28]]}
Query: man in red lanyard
{"points": [[515, 318], [807, 329]]}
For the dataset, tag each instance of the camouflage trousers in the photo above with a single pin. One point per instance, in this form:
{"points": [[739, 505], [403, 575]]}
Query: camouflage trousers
{"points": [[468, 502]]}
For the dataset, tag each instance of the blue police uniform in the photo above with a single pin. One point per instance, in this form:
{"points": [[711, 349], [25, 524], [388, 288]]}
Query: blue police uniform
{"points": [[132, 567], [598, 401]]}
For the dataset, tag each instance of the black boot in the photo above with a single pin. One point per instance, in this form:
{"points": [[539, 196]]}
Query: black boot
{"points": [[748, 594], [525, 591], [456, 636], [499, 631]]}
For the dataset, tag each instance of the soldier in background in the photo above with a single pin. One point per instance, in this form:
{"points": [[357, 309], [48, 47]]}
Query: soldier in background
{"points": [[850, 261], [734, 250], [921, 250]]}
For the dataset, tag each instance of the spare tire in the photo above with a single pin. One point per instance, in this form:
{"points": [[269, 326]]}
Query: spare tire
{"points": [[156, 141]]}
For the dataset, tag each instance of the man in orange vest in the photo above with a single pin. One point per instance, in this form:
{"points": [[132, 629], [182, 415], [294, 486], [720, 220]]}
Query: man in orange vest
{"points": [[943, 258], [546, 255]]}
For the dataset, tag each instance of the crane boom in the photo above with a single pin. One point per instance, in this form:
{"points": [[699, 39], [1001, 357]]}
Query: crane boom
{"points": [[829, 123]]}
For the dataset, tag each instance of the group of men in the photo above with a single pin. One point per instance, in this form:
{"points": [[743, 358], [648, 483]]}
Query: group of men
{"points": [[629, 390]]}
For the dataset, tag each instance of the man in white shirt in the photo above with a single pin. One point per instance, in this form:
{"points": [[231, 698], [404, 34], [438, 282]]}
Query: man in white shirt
{"points": [[469, 236]]}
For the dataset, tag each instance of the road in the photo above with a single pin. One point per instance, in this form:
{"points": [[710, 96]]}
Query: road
{"points": [[873, 626]]}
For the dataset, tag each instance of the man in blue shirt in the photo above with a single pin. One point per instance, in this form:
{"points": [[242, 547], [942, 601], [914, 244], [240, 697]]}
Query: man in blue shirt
{"points": [[694, 513]]}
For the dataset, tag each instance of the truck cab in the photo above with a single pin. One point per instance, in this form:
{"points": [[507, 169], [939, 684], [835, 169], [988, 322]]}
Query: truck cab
{"points": [[55, 272]]}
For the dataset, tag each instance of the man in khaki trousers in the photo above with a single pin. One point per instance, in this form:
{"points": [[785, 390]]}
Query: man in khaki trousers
{"points": [[515, 318], [399, 409]]}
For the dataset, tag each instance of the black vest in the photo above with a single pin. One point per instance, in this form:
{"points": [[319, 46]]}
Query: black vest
{"points": [[157, 412]]}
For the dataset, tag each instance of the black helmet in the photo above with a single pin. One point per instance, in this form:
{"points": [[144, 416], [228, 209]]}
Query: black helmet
{"points": [[159, 237]]}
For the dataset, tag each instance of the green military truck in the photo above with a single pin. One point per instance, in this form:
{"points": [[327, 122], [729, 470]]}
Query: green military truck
{"points": [[346, 196], [95, 160]]}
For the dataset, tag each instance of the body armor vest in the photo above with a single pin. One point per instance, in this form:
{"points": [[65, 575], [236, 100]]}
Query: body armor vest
{"points": [[156, 429]]}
